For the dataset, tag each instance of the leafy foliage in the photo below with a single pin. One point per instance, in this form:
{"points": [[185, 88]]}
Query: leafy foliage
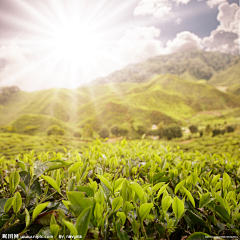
{"points": [[130, 190]]}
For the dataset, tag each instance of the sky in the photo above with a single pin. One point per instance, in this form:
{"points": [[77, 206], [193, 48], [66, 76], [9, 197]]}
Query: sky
{"points": [[68, 43]]}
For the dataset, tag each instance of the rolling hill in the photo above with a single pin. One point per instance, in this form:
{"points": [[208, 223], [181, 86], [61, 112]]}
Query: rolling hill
{"points": [[228, 77], [135, 96]]}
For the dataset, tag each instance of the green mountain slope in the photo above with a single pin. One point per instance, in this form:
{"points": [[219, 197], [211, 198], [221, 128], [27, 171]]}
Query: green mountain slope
{"points": [[234, 89], [229, 77], [192, 65], [59, 103], [167, 98]]}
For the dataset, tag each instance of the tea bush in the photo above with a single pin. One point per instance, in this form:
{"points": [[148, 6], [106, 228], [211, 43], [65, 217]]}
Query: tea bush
{"points": [[55, 130], [129, 190]]}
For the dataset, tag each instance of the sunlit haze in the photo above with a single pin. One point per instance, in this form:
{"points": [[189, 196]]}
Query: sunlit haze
{"points": [[68, 43]]}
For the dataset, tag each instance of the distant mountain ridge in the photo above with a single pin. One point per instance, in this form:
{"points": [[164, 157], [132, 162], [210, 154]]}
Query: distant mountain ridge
{"points": [[191, 65]]}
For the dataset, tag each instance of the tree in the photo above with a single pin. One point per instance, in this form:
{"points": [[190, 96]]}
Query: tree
{"points": [[229, 129], [104, 133], [216, 132], [193, 129], [170, 131], [208, 129], [87, 131], [119, 131]]}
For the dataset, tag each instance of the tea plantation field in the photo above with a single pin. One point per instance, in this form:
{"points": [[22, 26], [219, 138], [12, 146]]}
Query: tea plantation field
{"points": [[127, 190]]}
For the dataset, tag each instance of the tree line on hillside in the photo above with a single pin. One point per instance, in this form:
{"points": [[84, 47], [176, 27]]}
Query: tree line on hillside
{"points": [[136, 131], [6, 93]]}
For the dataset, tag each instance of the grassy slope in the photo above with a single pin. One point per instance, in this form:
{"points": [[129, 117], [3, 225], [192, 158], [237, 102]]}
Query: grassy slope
{"points": [[58, 103], [12, 144], [234, 89], [228, 77], [39, 121]]}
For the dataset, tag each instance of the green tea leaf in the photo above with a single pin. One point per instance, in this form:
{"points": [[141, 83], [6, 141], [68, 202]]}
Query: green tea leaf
{"points": [[71, 227], [54, 228], [39, 209], [157, 186], [138, 189], [144, 210], [215, 179], [189, 195], [127, 206], [194, 178], [198, 236], [162, 189], [77, 198], [222, 213], [117, 203], [118, 184], [14, 181], [27, 218], [83, 221], [158, 176], [135, 227], [40, 170], [8, 205], [52, 182], [196, 218], [179, 185], [17, 202], [178, 207], [89, 191], [106, 182], [122, 217], [204, 200], [122, 235], [22, 165], [166, 203]]}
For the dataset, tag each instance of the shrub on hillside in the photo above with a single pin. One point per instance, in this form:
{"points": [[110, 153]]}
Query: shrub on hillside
{"points": [[104, 133], [8, 129], [87, 131], [229, 129], [77, 134], [193, 129], [216, 132], [170, 131], [208, 129], [119, 131], [140, 129], [55, 130]]}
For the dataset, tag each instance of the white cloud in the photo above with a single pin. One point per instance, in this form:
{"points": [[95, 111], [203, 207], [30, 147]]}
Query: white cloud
{"points": [[222, 41], [228, 17], [178, 21], [182, 1], [184, 41], [156, 8], [212, 3], [139, 44], [226, 37], [14, 63]]}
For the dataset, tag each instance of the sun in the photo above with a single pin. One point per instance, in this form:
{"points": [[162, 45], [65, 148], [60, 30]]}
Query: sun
{"points": [[74, 42]]}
